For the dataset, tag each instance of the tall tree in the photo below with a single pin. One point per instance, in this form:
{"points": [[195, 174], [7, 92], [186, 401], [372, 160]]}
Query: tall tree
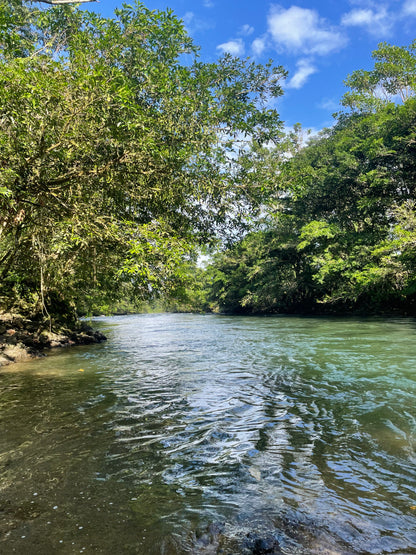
{"points": [[115, 145], [349, 196], [393, 77]]}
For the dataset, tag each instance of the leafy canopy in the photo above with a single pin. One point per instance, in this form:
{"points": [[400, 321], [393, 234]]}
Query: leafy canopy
{"points": [[338, 229], [118, 150]]}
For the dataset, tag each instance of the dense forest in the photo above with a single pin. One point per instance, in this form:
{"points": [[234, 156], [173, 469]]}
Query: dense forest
{"points": [[123, 157], [338, 226], [340, 230], [118, 155]]}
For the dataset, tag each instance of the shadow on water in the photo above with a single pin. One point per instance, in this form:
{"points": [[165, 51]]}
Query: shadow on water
{"points": [[210, 434]]}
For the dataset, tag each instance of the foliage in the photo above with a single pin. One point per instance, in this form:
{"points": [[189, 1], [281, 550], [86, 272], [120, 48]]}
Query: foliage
{"points": [[361, 171], [393, 76], [121, 154], [262, 273], [340, 227], [115, 144]]}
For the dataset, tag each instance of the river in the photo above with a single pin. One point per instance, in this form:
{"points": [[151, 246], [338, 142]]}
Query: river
{"points": [[214, 434]]}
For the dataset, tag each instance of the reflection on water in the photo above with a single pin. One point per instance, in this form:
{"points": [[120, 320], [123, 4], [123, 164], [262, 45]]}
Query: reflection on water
{"points": [[206, 434]]}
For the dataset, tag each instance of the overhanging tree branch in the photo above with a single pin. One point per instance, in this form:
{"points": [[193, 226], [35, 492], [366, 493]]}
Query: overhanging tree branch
{"points": [[56, 2]]}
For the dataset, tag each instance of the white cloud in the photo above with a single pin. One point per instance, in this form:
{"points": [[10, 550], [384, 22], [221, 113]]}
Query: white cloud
{"points": [[188, 18], [194, 24], [208, 4], [358, 17], [409, 7], [301, 30], [305, 69], [258, 46], [377, 21], [235, 47], [246, 30], [329, 104]]}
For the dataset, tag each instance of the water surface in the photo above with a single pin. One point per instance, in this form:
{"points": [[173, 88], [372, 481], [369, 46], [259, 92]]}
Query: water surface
{"points": [[214, 434]]}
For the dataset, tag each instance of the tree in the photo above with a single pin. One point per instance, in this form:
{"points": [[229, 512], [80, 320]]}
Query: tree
{"points": [[114, 142], [339, 226], [264, 272], [393, 76], [342, 190]]}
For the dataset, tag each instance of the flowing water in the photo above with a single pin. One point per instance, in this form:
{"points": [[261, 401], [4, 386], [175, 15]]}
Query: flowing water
{"points": [[214, 434]]}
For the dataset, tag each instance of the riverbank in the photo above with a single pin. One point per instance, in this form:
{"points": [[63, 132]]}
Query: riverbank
{"points": [[22, 339]]}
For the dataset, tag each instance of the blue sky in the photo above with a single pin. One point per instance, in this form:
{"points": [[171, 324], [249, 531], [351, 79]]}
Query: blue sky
{"points": [[318, 42]]}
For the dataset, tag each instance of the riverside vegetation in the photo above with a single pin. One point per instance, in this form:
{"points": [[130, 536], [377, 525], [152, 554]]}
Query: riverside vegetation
{"points": [[339, 226], [115, 144], [122, 155]]}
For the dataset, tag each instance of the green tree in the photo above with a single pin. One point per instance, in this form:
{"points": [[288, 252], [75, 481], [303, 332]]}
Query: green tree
{"points": [[393, 76], [346, 187], [349, 198], [264, 272], [115, 144]]}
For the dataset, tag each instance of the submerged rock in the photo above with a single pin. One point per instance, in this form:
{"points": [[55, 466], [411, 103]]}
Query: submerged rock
{"points": [[287, 534], [260, 545]]}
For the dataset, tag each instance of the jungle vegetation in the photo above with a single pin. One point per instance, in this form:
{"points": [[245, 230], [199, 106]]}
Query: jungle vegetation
{"points": [[338, 231], [117, 154], [122, 155]]}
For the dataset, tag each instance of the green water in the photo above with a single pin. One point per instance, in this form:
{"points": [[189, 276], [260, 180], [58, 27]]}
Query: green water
{"points": [[207, 434]]}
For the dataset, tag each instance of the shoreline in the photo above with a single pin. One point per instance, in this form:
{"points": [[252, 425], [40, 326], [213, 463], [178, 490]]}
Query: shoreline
{"points": [[22, 339]]}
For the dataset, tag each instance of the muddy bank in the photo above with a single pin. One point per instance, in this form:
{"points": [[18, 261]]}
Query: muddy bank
{"points": [[22, 339]]}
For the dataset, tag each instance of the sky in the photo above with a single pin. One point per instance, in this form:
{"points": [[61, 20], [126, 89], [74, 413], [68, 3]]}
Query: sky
{"points": [[318, 42]]}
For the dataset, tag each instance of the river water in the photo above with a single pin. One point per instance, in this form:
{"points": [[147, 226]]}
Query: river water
{"points": [[214, 434]]}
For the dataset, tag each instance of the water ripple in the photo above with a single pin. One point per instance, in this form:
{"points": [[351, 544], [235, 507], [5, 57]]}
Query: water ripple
{"points": [[300, 429]]}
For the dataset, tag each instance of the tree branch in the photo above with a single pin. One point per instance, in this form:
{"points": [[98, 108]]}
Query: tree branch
{"points": [[57, 2]]}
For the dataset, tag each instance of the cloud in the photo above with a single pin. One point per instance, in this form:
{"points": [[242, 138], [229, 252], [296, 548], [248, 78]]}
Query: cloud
{"points": [[409, 7], [300, 30], [259, 46], [188, 17], [358, 17], [208, 4], [194, 24], [235, 47], [305, 69], [329, 104], [377, 21], [246, 30]]}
